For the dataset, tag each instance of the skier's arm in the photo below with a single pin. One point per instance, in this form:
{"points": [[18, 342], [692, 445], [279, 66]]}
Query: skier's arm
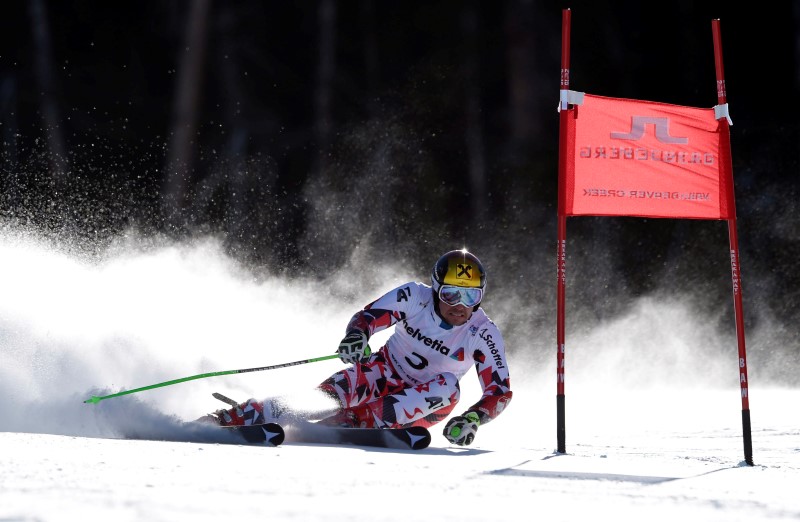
{"points": [[492, 368], [386, 310], [372, 320]]}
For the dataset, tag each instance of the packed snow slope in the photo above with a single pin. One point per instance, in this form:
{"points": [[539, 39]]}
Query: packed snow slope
{"points": [[653, 411]]}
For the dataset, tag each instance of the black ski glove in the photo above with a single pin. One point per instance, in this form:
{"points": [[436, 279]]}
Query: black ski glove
{"points": [[354, 348]]}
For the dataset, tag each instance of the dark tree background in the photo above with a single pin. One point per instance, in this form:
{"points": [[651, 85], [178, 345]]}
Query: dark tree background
{"points": [[302, 132]]}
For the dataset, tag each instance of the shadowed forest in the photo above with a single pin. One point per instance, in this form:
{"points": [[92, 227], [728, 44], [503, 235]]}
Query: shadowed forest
{"points": [[314, 136]]}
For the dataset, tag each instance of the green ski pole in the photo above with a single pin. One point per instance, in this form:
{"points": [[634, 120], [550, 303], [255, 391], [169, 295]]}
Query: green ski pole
{"points": [[95, 399]]}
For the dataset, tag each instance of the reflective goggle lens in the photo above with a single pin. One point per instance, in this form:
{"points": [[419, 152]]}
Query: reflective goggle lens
{"points": [[453, 295]]}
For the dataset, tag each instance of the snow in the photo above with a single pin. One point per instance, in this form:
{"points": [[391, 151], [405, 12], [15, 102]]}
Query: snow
{"points": [[659, 441]]}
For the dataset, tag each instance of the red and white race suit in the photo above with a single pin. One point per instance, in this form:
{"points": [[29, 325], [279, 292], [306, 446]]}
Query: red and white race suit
{"points": [[413, 379]]}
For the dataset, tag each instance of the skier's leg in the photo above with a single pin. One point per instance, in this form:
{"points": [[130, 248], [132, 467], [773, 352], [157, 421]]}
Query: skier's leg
{"points": [[403, 405], [422, 405], [361, 383]]}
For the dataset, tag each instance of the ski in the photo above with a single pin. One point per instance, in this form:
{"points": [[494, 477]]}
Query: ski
{"points": [[269, 433], [415, 437]]}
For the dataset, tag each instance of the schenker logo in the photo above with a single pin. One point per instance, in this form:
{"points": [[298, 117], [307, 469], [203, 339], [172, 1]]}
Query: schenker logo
{"points": [[427, 341]]}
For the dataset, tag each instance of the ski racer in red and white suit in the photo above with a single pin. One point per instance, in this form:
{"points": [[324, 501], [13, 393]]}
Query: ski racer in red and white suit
{"points": [[413, 379], [441, 331]]}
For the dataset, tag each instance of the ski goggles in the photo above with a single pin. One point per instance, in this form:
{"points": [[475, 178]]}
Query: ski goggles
{"points": [[453, 295]]}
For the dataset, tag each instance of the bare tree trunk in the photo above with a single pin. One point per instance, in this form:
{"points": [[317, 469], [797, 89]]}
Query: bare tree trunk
{"points": [[527, 152], [236, 145], [476, 153], [371, 58], [13, 193], [56, 148], [187, 96], [8, 117], [524, 112], [796, 20], [325, 73]]}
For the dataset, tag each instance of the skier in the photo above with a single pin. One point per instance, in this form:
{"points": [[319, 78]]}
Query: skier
{"points": [[413, 380]]}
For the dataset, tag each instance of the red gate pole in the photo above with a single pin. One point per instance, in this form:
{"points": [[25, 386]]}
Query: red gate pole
{"points": [[733, 240], [562, 230]]}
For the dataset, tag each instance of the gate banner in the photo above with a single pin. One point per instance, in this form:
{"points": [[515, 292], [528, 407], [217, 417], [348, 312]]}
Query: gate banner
{"points": [[647, 159]]}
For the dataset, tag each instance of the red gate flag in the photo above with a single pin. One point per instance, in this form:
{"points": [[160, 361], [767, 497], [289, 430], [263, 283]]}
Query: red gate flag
{"points": [[648, 159]]}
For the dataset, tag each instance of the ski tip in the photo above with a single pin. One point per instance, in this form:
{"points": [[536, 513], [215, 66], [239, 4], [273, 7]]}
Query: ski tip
{"points": [[269, 433], [418, 437], [92, 400], [273, 433]]}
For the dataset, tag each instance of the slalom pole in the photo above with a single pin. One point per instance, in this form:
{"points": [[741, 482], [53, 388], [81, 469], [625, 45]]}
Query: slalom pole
{"points": [[561, 250], [733, 241], [95, 399]]}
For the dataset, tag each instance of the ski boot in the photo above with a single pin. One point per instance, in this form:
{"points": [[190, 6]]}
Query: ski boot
{"points": [[245, 414], [354, 417]]}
